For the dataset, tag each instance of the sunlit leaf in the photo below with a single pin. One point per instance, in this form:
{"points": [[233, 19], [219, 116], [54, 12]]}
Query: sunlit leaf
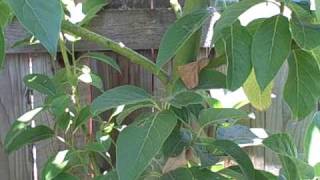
{"points": [[136, 146], [28, 116], [122, 95], [311, 141], [55, 165], [41, 18]]}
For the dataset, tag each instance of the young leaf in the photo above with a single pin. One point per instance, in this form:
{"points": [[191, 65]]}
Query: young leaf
{"points": [[40, 83], [102, 58], [219, 115], [302, 89], [306, 35], [237, 44], [2, 48], [179, 33], [261, 100], [136, 146], [185, 99], [122, 95], [41, 18], [27, 136], [239, 155], [231, 14], [270, 47], [311, 140]]}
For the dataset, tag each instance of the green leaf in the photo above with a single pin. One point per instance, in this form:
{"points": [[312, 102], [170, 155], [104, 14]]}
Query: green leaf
{"points": [[296, 169], [302, 89], [83, 117], [231, 14], [186, 98], [2, 48], [5, 14], [112, 175], [130, 109], [253, 26], [306, 35], [66, 176], [91, 7], [211, 79], [28, 116], [219, 115], [59, 104], [311, 140], [178, 140], [55, 165], [92, 79], [100, 147], [179, 33], [261, 100], [239, 155], [281, 144], [102, 58], [237, 45], [26, 136], [193, 173], [41, 18], [317, 170], [136, 146], [270, 47], [40, 83], [122, 95]]}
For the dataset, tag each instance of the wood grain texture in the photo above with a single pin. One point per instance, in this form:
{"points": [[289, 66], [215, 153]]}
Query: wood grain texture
{"points": [[13, 103]]}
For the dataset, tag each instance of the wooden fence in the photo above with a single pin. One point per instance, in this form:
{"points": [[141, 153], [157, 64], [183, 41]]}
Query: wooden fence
{"points": [[139, 24]]}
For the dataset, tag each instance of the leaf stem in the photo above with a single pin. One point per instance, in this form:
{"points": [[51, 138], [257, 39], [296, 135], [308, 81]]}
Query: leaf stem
{"points": [[118, 48]]}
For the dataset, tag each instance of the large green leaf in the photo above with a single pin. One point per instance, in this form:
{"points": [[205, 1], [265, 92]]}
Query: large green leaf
{"points": [[211, 79], [311, 140], [136, 146], [219, 115], [122, 95], [186, 98], [130, 109], [25, 135], [5, 13], [302, 89], [40, 83], [193, 173], [231, 14], [270, 47], [305, 34], [261, 100], [232, 149], [178, 140], [41, 18], [179, 33], [281, 144], [102, 58], [237, 44], [2, 48]]}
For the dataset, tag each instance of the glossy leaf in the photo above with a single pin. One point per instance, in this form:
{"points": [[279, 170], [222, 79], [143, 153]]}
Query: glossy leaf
{"points": [[122, 95], [260, 100], [2, 48], [193, 173], [237, 44], [26, 136], [311, 140], [305, 34], [40, 83], [270, 47], [102, 58], [41, 18], [179, 33], [211, 79], [230, 15], [234, 151], [219, 115], [185, 99], [136, 146], [302, 89]]}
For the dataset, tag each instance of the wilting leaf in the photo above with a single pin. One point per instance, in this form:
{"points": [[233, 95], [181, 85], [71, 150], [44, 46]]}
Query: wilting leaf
{"points": [[261, 100], [122, 95], [41, 18], [302, 89], [136, 146], [179, 33], [270, 48]]}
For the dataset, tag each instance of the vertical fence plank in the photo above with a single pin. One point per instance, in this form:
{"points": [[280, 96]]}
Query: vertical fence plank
{"points": [[13, 103]]}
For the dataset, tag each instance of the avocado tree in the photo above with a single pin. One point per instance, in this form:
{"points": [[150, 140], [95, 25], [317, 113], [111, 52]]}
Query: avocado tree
{"points": [[174, 140]]}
